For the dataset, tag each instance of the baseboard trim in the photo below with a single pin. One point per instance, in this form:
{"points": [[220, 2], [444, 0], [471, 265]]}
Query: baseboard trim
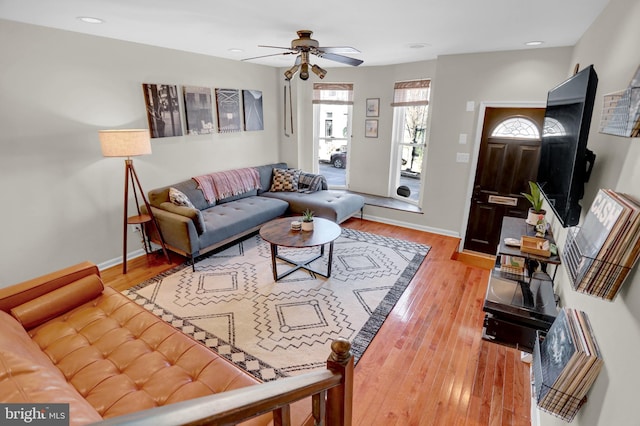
{"points": [[402, 224], [118, 260], [480, 260]]}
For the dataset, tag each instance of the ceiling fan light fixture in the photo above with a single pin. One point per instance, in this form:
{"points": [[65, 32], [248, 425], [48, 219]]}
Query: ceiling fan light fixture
{"points": [[304, 71], [320, 72], [303, 47], [291, 72]]}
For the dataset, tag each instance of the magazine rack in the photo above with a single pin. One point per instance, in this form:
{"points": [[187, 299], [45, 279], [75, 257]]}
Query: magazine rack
{"points": [[621, 110], [620, 114], [591, 276], [562, 405]]}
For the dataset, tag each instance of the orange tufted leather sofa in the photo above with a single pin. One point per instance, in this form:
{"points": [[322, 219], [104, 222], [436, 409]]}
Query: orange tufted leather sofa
{"points": [[65, 338]]}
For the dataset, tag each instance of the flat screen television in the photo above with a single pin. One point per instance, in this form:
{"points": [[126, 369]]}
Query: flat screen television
{"points": [[565, 161]]}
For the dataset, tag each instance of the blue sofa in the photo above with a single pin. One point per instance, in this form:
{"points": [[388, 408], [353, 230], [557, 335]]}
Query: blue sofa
{"points": [[192, 231]]}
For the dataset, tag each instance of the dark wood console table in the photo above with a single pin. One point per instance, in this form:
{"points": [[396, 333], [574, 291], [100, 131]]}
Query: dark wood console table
{"points": [[516, 307], [513, 227]]}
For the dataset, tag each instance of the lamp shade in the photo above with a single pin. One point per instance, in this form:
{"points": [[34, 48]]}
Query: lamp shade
{"points": [[125, 143]]}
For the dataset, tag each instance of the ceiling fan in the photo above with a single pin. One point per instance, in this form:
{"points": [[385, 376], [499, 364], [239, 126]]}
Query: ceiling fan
{"points": [[303, 46]]}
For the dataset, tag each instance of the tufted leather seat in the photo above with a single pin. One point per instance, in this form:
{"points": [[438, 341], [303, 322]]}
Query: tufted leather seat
{"points": [[117, 356]]}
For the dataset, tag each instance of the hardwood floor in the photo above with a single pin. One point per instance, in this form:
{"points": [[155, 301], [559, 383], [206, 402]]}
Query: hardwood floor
{"points": [[428, 364]]}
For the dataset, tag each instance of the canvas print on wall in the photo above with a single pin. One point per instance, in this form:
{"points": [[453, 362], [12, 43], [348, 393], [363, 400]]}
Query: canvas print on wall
{"points": [[252, 103], [228, 101], [198, 110], [163, 110]]}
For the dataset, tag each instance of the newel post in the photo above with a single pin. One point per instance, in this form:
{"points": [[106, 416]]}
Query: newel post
{"points": [[340, 398]]}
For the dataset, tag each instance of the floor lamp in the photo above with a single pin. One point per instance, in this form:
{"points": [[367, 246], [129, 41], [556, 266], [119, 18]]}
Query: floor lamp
{"points": [[130, 143]]}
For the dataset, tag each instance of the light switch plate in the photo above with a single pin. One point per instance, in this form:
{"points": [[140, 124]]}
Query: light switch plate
{"points": [[471, 106], [463, 139], [462, 157]]}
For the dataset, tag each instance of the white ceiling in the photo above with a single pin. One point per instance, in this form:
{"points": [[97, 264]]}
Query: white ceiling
{"points": [[383, 31]]}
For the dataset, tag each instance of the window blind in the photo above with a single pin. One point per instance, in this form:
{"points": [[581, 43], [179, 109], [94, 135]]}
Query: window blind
{"points": [[411, 93], [333, 93]]}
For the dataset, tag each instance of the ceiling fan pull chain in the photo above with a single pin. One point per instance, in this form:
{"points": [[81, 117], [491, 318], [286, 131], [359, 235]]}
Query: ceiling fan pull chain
{"points": [[290, 107], [284, 116]]}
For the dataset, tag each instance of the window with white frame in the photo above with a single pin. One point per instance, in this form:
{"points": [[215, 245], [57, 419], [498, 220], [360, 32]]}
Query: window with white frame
{"points": [[409, 139]]}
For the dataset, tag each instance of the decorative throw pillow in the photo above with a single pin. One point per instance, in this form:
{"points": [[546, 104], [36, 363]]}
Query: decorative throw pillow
{"points": [[285, 180], [178, 198]]}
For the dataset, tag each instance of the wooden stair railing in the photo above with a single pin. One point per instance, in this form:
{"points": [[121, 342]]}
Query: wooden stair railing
{"points": [[331, 391]]}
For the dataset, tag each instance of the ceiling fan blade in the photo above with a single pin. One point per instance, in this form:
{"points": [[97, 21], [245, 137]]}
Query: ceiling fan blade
{"points": [[266, 56], [275, 47], [338, 49], [339, 58]]}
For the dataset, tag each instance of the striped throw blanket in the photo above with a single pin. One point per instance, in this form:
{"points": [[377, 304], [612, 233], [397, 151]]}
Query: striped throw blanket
{"points": [[219, 185]]}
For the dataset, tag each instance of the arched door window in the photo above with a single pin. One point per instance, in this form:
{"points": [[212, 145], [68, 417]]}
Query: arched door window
{"points": [[553, 127], [516, 127]]}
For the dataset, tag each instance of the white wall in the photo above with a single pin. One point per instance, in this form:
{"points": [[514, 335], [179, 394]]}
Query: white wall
{"points": [[516, 76], [59, 88], [611, 44], [63, 200]]}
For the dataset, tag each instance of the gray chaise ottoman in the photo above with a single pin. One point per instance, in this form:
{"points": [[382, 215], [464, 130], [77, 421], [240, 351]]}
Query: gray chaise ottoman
{"points": [[337, 206]]}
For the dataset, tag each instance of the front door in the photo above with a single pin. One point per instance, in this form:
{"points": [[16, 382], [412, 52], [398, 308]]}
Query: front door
{"points": [[507, 161]]}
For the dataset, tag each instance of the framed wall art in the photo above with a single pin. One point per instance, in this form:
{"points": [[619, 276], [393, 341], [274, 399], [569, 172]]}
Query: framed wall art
{"points": [[371, 128], [163, 110], [252, 106], [198, 110], [228, 102], [373, 107]]}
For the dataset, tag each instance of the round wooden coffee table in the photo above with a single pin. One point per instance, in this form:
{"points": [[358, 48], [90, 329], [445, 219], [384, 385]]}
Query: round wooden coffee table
{"points": [[278, 233]]}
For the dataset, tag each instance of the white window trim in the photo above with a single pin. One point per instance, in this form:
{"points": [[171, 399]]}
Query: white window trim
{"points": [[347, 139], [395, 167]]}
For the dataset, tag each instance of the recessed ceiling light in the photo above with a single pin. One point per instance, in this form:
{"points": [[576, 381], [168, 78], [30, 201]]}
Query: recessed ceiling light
{"points": [[534, 43], [235, 50], [418, 45], [90, 20]]}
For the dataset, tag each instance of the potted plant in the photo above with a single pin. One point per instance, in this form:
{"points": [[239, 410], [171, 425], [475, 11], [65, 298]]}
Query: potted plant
{"points": [[536, 213], [307, 220]]}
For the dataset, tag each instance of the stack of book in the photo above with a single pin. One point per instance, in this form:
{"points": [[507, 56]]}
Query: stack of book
{"points": [[608, 244], [569, 362], [512, 267]]}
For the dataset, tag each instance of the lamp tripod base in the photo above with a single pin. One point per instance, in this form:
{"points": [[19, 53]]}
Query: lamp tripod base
{"points": [[131, 178]]}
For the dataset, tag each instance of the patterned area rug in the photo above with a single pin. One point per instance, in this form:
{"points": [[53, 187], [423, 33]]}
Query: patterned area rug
{"points": [[274, 330]]}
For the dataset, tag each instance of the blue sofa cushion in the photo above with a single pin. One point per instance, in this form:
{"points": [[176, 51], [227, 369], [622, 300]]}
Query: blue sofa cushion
{"points": [[337, 206], [229, 219]]}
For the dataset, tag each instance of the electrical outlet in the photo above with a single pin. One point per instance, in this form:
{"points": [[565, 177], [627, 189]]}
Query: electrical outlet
{"points": [[462, 157]]}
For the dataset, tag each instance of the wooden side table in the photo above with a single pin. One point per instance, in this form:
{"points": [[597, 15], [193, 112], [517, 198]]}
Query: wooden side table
{"points": [[142, 220], [278, 232]]}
